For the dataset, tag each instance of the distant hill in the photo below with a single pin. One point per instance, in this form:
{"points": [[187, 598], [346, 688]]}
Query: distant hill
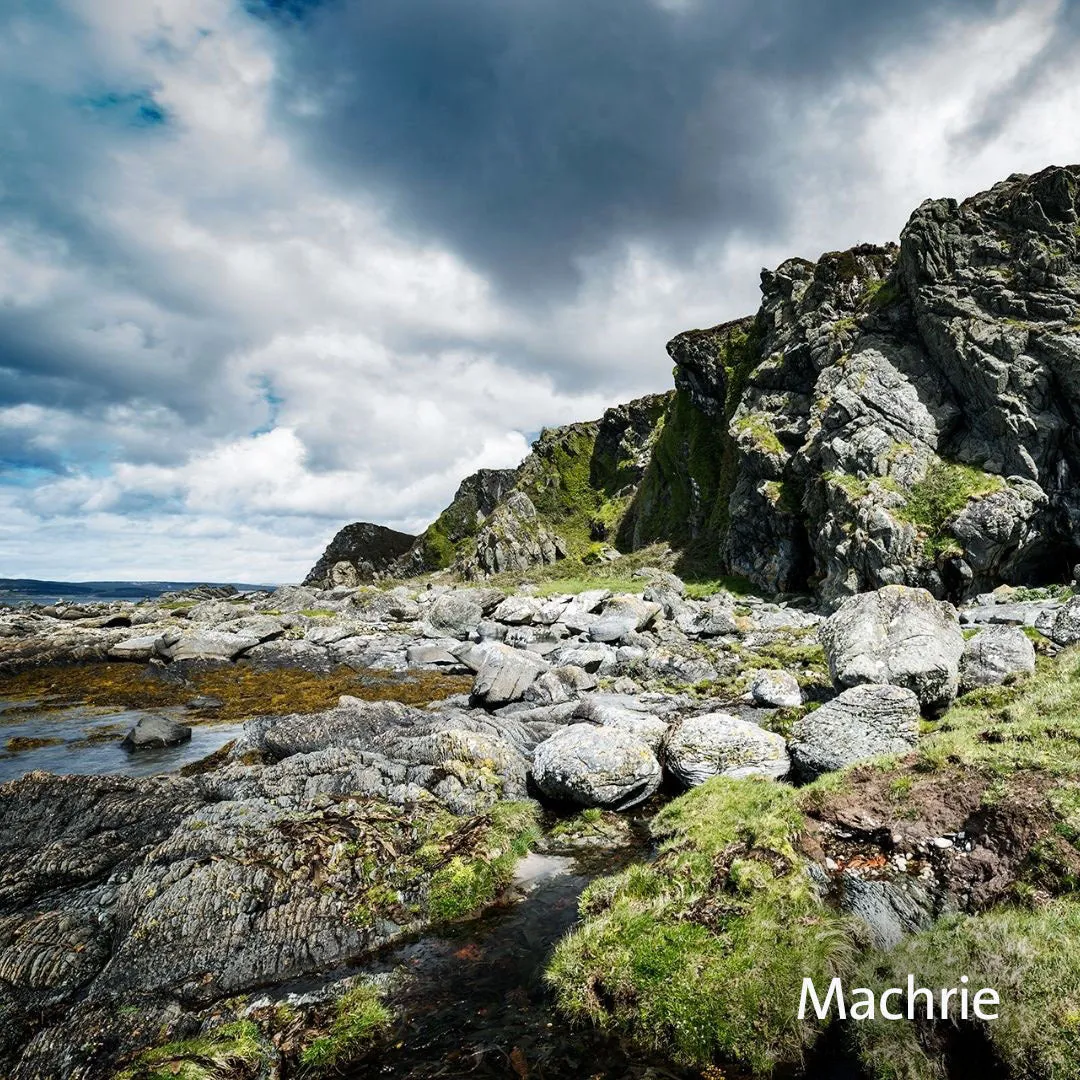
{"points": [[15, 590]]}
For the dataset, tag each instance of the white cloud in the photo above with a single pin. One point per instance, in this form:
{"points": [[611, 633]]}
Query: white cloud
{"points": [[235, 355]]}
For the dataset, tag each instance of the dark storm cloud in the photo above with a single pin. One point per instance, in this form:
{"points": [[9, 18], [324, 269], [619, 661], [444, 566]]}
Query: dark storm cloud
{"points": [[528, 132]]}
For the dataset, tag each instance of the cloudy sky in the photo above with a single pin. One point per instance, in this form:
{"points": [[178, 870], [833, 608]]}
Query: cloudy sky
{"points": [[267, 267]]}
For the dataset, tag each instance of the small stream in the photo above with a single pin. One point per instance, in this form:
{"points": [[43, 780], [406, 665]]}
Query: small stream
{"points": [[86, 740], [475, 1003]]}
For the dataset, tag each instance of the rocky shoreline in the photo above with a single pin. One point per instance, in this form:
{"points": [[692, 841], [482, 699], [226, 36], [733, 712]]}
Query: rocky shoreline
{"points": [[132, 910]]}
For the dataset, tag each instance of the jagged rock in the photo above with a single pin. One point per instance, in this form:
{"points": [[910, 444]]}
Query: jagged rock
{"points": [[513, 538], [596, 766], [776, 689], [356, 554], [718, 744], [136, 648], [1064, 629], [863, 722], [595, 658], [899, 636], [517, 610], [505, 674], [476, 497], [155, 732], [458, 613], [559, 685], [377, 605], [994, 654], [709, 622]]}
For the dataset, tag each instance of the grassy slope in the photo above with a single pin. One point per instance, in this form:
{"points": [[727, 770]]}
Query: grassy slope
{"points": [[703, 951]]}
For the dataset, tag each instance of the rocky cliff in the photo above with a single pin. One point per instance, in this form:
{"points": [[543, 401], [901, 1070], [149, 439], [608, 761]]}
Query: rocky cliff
{"points": [[356, 554], [897, 414]]}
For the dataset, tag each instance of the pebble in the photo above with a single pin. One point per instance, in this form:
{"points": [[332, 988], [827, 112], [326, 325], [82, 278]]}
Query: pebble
{"points": [[941, 842]]}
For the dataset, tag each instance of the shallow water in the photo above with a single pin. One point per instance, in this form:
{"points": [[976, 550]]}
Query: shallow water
{"points": [[475, 1003], [90, 740]]}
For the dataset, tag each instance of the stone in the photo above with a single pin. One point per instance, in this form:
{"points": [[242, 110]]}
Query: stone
{"points": [[505, 675], [209, 645], [455, 614], [719, 744], [155, 732], [625, 713], [559, 685], [641, 613], [517, 610], [776, 690], [864, 722], [596, 766], [136, 648], [357, 553], [611, 628], [1065, 627], [900, 636], [994, 654]]}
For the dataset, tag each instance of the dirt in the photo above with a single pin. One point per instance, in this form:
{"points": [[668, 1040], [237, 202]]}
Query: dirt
{"points": [[882, 825]]}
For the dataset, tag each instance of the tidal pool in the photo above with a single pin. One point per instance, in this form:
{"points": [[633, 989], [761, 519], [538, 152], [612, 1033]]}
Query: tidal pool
{"points": [[85, 739]]}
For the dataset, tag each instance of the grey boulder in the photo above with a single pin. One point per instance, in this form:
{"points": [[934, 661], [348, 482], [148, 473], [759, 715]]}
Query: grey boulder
{"points": [[900, 636], [154, 732], [776, 690], [596, 766], [209, 645], [863, 722], [505, 674], [994, 654], [1065, 627], [719, 744]]}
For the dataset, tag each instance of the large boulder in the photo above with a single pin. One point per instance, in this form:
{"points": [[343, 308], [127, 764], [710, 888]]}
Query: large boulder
{"points": [[457, 614], [596, 766], [208, 645], [505, 674], [994, 654], [863, 722], [718, 744], [900, 636]]}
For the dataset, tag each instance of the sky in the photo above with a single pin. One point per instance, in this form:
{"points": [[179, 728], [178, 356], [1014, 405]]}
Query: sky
{"points": [[269, 267]]}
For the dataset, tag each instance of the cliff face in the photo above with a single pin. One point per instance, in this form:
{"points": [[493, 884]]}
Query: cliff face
{"points": [[895, 414], [910, 416]]}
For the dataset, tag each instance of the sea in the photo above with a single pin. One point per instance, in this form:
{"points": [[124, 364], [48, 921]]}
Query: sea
{"points": [[16, 592]]}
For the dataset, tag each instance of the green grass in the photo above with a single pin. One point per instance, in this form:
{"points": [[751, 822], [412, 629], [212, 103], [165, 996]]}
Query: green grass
{"points": [[756, 427], [944, 491], [231, 1052], [318, 613], [468, 882], [701, 953], [1032, 723], [360, 1019], [1021, 954]]}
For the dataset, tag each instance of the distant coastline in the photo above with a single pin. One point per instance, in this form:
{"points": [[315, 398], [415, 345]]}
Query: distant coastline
{"points": [[19, 591]]}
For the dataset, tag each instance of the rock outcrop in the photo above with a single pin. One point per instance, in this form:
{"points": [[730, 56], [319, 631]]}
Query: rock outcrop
{"points": [[356, 554], [895, 414]]}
